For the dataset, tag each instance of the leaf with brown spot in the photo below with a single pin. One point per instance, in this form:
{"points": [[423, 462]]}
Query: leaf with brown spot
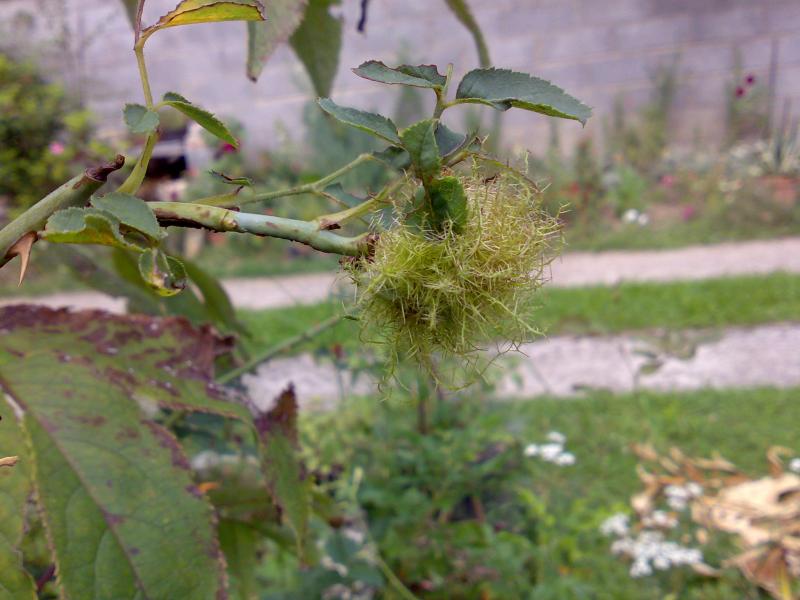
{"points": [[15, 582], [114, 486], [282, 467]]}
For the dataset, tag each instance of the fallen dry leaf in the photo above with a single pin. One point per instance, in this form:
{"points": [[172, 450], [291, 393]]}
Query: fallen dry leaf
{"points": [[9, 461]]}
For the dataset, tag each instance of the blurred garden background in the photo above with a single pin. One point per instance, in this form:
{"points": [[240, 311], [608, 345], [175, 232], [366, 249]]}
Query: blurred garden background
{"points": [[671, 318]]}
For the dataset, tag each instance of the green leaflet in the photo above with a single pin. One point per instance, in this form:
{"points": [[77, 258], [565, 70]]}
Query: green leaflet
{"points": [[15, 582], [265, 36], [132, 212], [448, 203], [419, 140], [202, 117], [163, 274], [240, 543], [140, 119], [424, 76], [375, 124], [503, 89], [123, 515], [449, 141], [91, 226], [317, 43]]}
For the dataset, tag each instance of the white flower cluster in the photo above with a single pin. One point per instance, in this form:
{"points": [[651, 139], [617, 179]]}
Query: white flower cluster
{"points": [[794, 465], [634, 216], [651, 552], [553, 451], [616, 525], [678, 496], [658, 519]]}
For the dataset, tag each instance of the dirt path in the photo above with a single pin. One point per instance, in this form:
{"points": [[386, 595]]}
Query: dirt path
{"points": [[571, 270], [568, 366]]}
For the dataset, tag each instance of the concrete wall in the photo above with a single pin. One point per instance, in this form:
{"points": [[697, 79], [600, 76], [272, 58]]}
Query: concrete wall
{"points": [[596, 49]]}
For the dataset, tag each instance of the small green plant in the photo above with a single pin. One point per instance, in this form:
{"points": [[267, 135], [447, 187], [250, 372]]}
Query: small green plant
{"points": [[43, 135], [102, 410]]}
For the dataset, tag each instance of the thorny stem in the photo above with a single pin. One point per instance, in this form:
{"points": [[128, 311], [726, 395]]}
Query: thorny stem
{"points": [[315, 187], [441, 104], [274, 351], [185, 214], [325, 221]]}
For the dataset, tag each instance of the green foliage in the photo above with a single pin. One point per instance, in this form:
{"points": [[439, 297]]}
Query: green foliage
{"points": [[419, 141], [424, 76], [140, 119], [263, 37], [15, 582], [317, 42], [202, 117], [503, 89], [44, 135], [110, 433], [377, 125], [162, 273], [104, 466]]}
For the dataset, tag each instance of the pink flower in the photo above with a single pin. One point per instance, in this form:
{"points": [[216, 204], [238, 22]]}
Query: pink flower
{"points": [[56, 148], [227, 148], [688, 212], [667, 181], [740, 91], [750, 79]]}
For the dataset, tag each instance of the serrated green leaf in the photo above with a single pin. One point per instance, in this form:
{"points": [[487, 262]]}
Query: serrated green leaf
{"points": [[420, 142], [375, 124], [91, 226], [131, 212], [449, 141], [503, 89], [240, 543], [245, 181], [394, 157], [15, 485], [337, 193], [217, 303], [448, 203], [424, 76], [163, 274], [122, 513], [463, 13], [193, 12], [265, 36], [140, 119], [281, 463], [202, 117], [317, 43]]}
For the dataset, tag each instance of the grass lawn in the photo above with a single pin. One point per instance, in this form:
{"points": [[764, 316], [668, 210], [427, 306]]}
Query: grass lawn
{"points": [[710, 303], [572, 557]]}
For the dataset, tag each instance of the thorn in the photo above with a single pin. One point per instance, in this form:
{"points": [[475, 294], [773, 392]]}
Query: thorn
{"points": [[22, 248]]}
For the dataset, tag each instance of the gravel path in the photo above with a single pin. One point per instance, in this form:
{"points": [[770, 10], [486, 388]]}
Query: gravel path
{"points": [[573, 269], [568, 366]]}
